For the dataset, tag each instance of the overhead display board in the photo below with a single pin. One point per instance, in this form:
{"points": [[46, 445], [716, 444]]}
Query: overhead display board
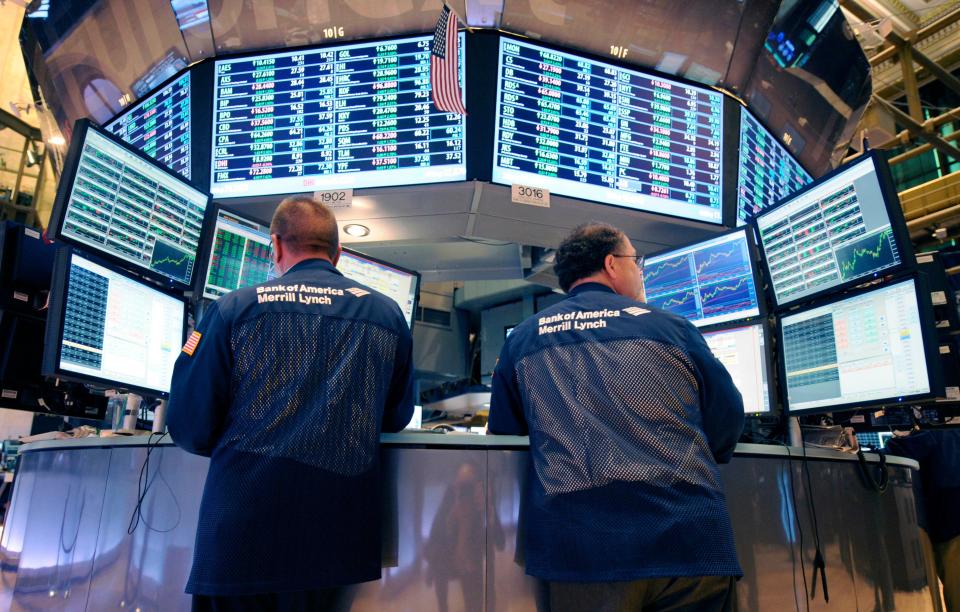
{"points": [[596, 131], [349, 116], [708, 282], [767, 172], [160, 125]]}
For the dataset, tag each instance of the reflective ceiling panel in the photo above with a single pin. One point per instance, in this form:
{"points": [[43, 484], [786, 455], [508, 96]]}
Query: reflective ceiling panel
{"points": [[240, 25], [780, 57], [693, 38], [811, 82]]}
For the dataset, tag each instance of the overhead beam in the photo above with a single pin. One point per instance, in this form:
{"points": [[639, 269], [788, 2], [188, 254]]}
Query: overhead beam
{"points": [[917, 129]]}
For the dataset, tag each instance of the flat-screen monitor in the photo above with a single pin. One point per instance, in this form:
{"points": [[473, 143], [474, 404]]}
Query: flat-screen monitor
{"points": [[159, 125], [398, 284], [108, 328], [118, 203], [874, 347], [350, 116], [840, 231], [596, 131], [241, 255], [767, 172], [708, 282], [745, 352]]}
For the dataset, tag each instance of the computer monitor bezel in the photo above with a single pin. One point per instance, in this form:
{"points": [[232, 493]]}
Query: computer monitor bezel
{"points": [[754, 268], [65, 188], [739, 128], [927, 331], [898, 227], [414, 273], [768, 356], [209, 239], [53, 336], [493, 118]]}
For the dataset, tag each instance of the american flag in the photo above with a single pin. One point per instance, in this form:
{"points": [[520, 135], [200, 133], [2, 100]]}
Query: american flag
{"points": [[445, 64]]}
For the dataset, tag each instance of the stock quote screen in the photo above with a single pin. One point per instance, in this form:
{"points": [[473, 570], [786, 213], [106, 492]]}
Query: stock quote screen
{"points": [[707, 282], [241, 255], [595, 131], [350, 116], [160, 126], [863, 348], [767, 172], [122, 205], [836, 232], [117, 329], [743, 351]]}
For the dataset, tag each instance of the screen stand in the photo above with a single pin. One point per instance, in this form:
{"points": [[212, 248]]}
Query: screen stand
{"points": [[130, 412], [796, 435], [160, 417]]}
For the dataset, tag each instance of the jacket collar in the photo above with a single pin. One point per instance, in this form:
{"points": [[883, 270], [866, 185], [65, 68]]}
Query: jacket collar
{"points": [[590, 287], [313, 264]]}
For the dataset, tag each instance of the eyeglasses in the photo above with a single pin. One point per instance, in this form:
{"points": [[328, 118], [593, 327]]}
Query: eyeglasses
{"points": [[638, 259]]}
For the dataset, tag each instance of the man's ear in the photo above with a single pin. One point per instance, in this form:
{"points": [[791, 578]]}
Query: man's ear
{"points": [[336, 258]]}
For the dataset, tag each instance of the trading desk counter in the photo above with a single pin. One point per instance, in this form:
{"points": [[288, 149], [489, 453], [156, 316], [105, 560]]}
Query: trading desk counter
{"points": [[452, 508]]}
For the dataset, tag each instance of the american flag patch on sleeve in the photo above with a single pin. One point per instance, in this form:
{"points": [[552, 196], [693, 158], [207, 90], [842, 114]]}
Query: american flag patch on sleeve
{"points": [[192, 343]]}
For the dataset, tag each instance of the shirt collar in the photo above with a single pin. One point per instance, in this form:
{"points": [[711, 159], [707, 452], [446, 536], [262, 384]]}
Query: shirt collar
{"points": [[313, 264], [590, 287]]}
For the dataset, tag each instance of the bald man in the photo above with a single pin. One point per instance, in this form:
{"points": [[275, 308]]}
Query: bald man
{"points": [[286, 386]]}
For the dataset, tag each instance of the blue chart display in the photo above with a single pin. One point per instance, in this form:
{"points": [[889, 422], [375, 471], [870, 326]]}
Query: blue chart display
{"points": [[599, 132], [160, 126], [836, 232], [708, 282], [124, 206], [353, 116], [865, 348], [767, 172]]}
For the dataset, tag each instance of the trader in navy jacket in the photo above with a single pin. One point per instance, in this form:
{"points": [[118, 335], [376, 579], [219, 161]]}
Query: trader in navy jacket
{"points": [[286, 386], [628, 414]]}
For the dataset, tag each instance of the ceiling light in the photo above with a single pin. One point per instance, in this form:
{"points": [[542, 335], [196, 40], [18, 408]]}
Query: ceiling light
{"points": [[57, 141], [356, 230]]}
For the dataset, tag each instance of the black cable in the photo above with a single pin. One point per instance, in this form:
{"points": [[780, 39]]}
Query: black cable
{"points": [[143, 487], [796, 516], [819, 564], [878, 486]]}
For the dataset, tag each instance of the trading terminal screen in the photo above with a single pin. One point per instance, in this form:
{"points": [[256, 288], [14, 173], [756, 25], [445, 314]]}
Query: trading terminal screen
{"points": [[861, 349], [767, 172], [599, 132], [351, 116], [743, 351], [118, 330], [708, 282], [160, 126], [838, 231], [398, 285], [123, 206], [241, 255]]}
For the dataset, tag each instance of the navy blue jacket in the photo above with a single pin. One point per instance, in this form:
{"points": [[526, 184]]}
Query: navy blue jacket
{"points": [[628, 413], [286, 389], [938, 453]]}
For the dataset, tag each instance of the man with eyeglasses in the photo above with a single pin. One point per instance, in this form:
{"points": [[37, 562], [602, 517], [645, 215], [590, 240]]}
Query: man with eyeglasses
{"points": [[628, 414]]}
